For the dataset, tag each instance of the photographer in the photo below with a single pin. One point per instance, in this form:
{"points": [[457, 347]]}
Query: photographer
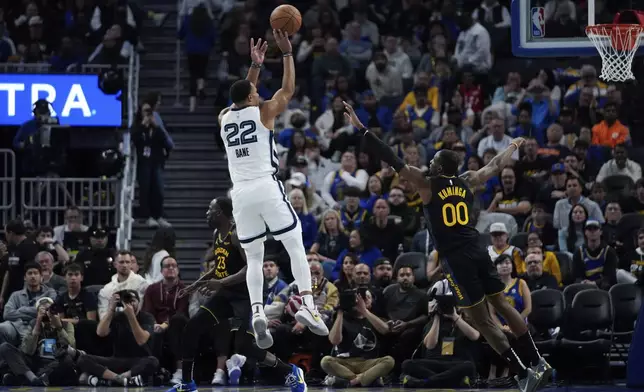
{"points": [[43, 142], [130, 330], [42, 350], [447, 348], [153, 146], [356, 333]]}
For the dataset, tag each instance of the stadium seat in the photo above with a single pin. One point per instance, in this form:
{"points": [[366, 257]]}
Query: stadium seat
{"points": [[547, 313], [485, 239], [565, 265], [520, 240], [627, 300], [628, 225], [618, 185], [571, 291], [418, 262], [591, 312]]}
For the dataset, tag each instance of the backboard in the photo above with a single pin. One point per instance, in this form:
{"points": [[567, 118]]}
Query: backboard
{"points": [[537, 30]]}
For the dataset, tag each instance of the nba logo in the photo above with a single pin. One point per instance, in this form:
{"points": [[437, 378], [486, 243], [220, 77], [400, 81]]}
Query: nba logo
{"points": [[538, 22]]}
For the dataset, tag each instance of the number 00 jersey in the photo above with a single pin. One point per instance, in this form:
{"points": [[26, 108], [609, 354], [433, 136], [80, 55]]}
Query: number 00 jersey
{"points": [[450, 214], [249, 145]]}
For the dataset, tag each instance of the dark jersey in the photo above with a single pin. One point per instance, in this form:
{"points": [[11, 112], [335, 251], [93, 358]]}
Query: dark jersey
{"points": [[228, 259], [450, 214]]}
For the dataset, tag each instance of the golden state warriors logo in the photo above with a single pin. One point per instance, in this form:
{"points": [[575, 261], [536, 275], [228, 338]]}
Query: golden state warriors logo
{"points": [[222, 268]]}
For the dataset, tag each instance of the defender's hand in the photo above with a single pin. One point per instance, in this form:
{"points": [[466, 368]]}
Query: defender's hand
{"points": [[282, 41], [350, 114], [518, 141], [258, 50]]}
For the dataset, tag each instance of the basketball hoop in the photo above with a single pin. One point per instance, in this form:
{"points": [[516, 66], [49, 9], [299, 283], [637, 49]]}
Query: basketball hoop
{"points": [[616, 44]]}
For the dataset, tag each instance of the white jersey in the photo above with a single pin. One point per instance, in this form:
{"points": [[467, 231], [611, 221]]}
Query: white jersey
{"points": [[249, 145]]}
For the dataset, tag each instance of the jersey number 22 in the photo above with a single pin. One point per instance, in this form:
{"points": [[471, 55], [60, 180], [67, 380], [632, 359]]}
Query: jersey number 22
{"points": [[233, 136]]}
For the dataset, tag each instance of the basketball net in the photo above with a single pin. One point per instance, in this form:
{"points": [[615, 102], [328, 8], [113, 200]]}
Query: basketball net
{"points": [[616, 44]]}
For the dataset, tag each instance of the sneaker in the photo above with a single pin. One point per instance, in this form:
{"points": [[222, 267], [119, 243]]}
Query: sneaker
{"points": [[312, 319], [543, 371], [163, 223], [39, 382], [412, 382], [263, 336], [529, 383], [184, 387], [136, 381], [219, 378], [94, 381], [295, 380], [152, 223], [177, 377], [11, 380], [234, 365]]}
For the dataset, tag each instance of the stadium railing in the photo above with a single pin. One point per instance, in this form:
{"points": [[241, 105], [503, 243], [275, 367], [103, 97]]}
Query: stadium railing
{"points": [[105, 201], [177, 65], [7, 185]]}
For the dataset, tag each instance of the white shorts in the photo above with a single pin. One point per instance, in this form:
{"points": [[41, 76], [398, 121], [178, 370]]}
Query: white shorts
{"points": [[261, 207]]}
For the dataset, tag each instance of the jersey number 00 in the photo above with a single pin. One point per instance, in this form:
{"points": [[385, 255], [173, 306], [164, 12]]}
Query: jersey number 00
{"points": [[247, 136], [453, 214]]}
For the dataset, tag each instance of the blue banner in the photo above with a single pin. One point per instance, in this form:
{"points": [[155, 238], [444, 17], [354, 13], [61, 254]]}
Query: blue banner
{"points": [[76, 99]]}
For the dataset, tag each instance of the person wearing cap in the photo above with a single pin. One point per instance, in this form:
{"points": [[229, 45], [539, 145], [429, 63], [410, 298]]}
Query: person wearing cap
{"points": [[20, 251], [41, 349], [620, 165], [19, 310], [298, 122], [382, 273], [574, 197], [595, 262], [500, 245], [555, 189], [349, 175], [98, 259], [351, 214]]}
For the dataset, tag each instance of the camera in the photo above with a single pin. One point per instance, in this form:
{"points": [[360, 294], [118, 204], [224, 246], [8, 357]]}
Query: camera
{"points": [[348, 300], [126, 297], [445, 300]]}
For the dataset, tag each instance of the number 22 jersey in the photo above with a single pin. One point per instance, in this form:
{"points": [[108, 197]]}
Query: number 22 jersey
{"points": [[450, 214], [249, 145]]}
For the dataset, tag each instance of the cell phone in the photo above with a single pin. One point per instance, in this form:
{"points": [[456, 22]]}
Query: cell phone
{"points": [[363, 292]]}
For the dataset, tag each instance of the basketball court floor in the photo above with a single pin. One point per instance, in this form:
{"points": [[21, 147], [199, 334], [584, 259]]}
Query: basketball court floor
{"points": [[272, 389]]}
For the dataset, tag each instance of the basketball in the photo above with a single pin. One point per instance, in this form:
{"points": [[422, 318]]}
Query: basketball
{"points": [[286, 18]]}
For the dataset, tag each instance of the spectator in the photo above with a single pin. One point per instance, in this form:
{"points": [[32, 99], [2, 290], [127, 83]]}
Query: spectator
{"points": [[46, 243], [516, 291], [620, 165], [493, 14], [536, 278], [595, 262], [73, 224], [636, 202], [20, 309], [20, 251], [307, 220], [634, 262], [311, 46], [152, 148], [79, 307], [573, 196], [351, 214], [473, 46], [331, 62], [549, 258], [354, 48], [345, 280], [161, 300], [513, 199], [572, 236], [374, 113], [97, 261], [398, 58], [332, 238], [500, 246], [510, 91], [67, 56], [365, 251], [162, 245], [124, 279], [113, 50], [610, 230], [610, 131], [386, 232], [49, 278], [336, 182], [539, 223], [199, 33], [543, 110], [336, 134], [383, 79], [497, 139], [358, 344], [130, 329], [554, 150], [273, 285], [553, 6], [37, 354], [555, 189], [382, 273], [448, 350]]}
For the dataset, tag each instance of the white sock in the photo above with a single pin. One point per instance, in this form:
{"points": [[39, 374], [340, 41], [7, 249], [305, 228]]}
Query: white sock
{"points": [[299, 267], [255, 276]]}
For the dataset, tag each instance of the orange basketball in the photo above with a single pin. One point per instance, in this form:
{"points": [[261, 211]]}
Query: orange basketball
{"points": [[286, 18]]}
